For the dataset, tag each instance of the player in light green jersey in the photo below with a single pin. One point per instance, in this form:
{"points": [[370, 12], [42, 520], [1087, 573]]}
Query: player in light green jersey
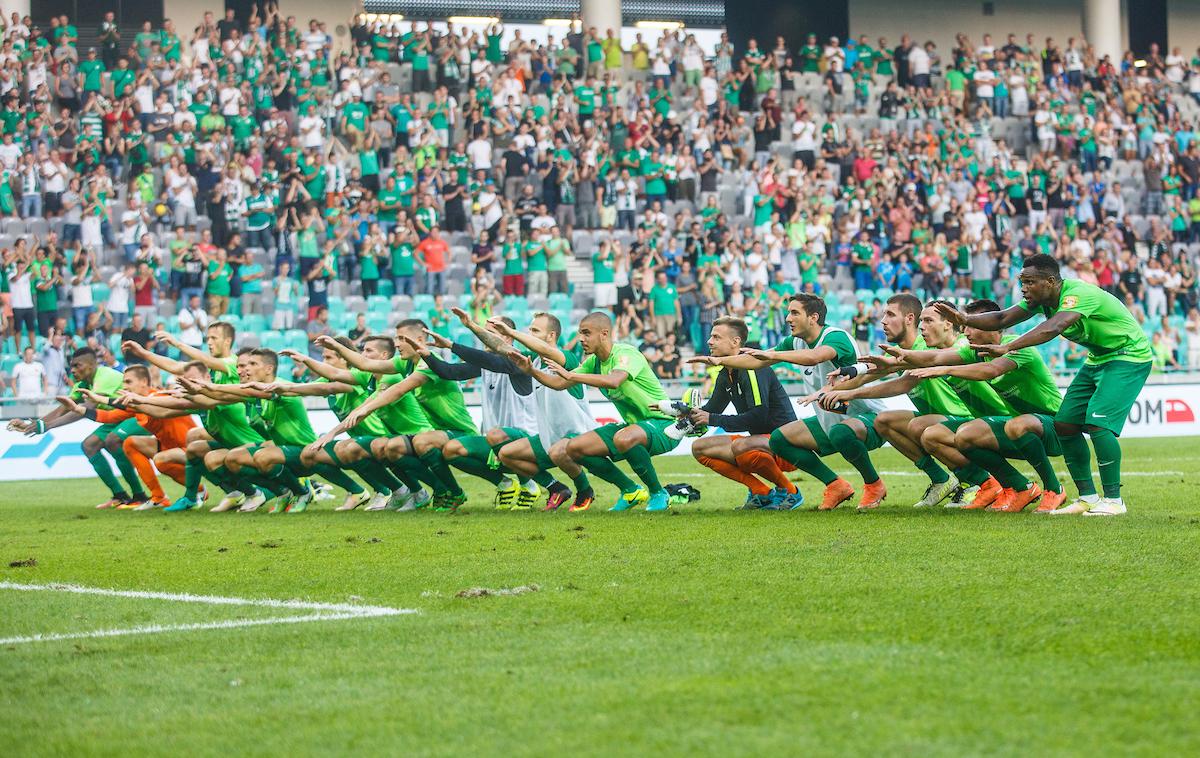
{"points": [[623, 375], [1098, 401]]}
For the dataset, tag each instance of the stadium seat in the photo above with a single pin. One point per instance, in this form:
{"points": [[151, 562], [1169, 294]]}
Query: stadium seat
{"points": [[336, 306], [8, 362], [254, 323], [386, 288], [378, 303], [421, 305], [273, 340], [296, 339]]}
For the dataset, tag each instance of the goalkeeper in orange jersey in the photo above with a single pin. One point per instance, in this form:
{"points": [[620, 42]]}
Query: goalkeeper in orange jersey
{"points": [[165, 444]]}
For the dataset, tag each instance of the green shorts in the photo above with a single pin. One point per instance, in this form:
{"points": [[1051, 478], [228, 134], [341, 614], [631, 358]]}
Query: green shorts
{"points": [[954, 422], [1102, 395], [477, 447], [825, 446], [656, 436], [123, 429], [1008, 448]]}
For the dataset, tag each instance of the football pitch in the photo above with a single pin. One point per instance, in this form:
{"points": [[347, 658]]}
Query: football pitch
{"points": [[704, 631]]}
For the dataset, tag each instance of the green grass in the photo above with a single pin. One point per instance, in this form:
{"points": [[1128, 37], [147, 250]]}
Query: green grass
{"points": [[701, 632]]}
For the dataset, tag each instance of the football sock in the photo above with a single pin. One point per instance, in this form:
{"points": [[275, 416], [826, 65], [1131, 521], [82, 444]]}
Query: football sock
{"points": [[173, 470], [193, 472], [854, 450], [145, 469], [764, 464], [436, 464], [413, 474], [1108, 460], [936, 473], [286, 478], [998, 466], [128, 473], [1078, 456], [337, 478], [730, 471], [1034, 450], [608, 471], [379, 478], [639, 460], [545, 479], [105, 472], [805, 460], [473, 466], [581, 482], [972, 474]]}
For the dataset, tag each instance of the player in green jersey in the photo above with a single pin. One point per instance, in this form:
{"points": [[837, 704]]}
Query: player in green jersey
{"points": [[1024, 381], [935, 400], [623, 375], [365, 449], [89, 374], [284, 423], [441, 399], [1098, 401], [221, 366]]}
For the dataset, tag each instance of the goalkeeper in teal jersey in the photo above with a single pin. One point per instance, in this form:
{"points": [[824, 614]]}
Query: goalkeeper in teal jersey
{"points": [[440, 399], [1024, 381], [622, 375]]}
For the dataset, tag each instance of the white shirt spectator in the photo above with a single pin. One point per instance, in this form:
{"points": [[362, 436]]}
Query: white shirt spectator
{"points": [[192, 325], [985, 82], [918, 60], [119, 286], [29, 378], [480, 152]]}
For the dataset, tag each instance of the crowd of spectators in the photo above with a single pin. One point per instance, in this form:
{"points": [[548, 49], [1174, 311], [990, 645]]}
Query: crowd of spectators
{"points": [[254, 171]]}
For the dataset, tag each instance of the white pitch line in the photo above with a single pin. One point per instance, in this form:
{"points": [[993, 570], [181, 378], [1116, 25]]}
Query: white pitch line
{"points": [[362, 610], [160, 629], [326, 612]]}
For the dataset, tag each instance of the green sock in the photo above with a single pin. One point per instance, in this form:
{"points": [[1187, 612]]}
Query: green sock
{"points": [[404, 473], [581, 482], [231, 482], [998, 466], [337, 478], [436, 464], [193, 472], [419, 473], [1078, 456], [974, 475], [1108, 460], [545, 479], [286, 479], [936, 473], [376, 476], [642, 465], [1034, 450], [105, 472], [128, 473], [805, 460], [473, 466], [264, 484], [854, 450], [608, 471]]}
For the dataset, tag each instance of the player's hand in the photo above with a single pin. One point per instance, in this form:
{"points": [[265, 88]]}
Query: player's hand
{"points": [[554, 368], [951, 314], [312, 448], [521, 361], [70, 404], [462, 315], [996, 351], [698, 416], [354, 418], [883, 362], [706, 360], [498, 326], [296, 356], [759, 355], [830, 399], [129, 346], [19, 425], [421, 348], [437, 340], [325, 341], [809, 399], [164, 337], [928, 373]]}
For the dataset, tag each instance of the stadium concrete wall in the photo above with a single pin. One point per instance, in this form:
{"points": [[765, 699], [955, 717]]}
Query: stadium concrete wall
{"points": [[1162, 410]]}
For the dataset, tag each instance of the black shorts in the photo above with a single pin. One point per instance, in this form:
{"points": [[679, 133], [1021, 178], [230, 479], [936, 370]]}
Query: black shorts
{"points": [[23, 317], [52, 202]]}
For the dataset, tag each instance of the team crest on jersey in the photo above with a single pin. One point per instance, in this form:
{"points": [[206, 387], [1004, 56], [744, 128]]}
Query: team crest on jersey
{"points": [[1070, 301]]}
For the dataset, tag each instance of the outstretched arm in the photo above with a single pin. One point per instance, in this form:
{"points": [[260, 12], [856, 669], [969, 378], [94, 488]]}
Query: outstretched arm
{"points": [[1042, 333], [374, 403], [989, 321], [321, 369], [979, 372], [925, 358], [539, 346], [355, 358], [193, 354], [170, 365]]}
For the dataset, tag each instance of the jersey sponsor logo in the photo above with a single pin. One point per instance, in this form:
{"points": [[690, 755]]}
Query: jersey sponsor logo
{"points": [[1070, 301]]}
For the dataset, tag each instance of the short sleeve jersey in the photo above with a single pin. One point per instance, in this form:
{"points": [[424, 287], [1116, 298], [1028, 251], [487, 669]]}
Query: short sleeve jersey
{"points": [[106, 381], [935, 395], [342, 403], [442, 399], [979, 397], [1108, 330], [815, 377], [638, 392], [1029, 388], [229, 374], [285, 420], [404, 416]]}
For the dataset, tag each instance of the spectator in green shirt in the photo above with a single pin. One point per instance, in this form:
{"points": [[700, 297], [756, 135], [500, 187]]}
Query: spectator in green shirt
{"points": [[218, 287], [664, 305]]}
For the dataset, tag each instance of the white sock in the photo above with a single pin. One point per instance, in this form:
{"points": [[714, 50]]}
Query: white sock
{"points": [[532, 487], [1090, 498]]}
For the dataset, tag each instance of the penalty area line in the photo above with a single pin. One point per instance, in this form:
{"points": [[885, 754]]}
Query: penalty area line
{"points": [[324, 612]]}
